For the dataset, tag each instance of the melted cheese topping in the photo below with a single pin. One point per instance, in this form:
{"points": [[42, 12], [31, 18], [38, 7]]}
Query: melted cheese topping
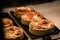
{"points": [[36, 17], [43, 24], [30, 16]]}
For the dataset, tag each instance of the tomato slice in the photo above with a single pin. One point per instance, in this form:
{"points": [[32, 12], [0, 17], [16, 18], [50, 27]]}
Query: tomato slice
{"points": [[30, 16], [45, 22]]}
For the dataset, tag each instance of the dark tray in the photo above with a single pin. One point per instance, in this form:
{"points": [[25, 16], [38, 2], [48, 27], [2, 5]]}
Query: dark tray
{"points": [[5, 15], [26, 28]]}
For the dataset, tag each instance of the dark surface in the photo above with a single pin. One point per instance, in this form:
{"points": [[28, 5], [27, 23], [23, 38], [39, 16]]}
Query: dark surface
{"points": [[26, 28], [47, 38], [14, 3], [5, 15], [1, 29]]}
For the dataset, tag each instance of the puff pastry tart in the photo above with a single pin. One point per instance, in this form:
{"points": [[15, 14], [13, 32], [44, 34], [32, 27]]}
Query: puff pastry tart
{"points": [[22, 10], [41, 28], [7, 22], [13, 33]]}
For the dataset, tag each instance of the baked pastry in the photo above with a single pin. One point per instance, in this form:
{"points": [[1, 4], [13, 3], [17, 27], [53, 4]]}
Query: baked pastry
{"points": [[22, 10], [13, 33], [41, 28], [7, 22], [30, 16]]}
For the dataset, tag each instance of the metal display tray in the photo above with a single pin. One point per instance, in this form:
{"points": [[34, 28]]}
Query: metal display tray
{"points": [[26, 28]]}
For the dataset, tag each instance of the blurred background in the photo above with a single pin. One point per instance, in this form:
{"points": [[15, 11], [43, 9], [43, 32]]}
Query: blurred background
{"points": [[12, 3]]}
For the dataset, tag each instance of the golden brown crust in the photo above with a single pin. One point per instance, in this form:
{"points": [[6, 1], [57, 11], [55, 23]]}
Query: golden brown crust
{"points": [[13, 32], [22, 10]]}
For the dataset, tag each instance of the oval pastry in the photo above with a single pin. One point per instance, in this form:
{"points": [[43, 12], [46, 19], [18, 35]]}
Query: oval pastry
{"points": [[22, 10], [41, 28], [13, 33], [7, 22]]}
